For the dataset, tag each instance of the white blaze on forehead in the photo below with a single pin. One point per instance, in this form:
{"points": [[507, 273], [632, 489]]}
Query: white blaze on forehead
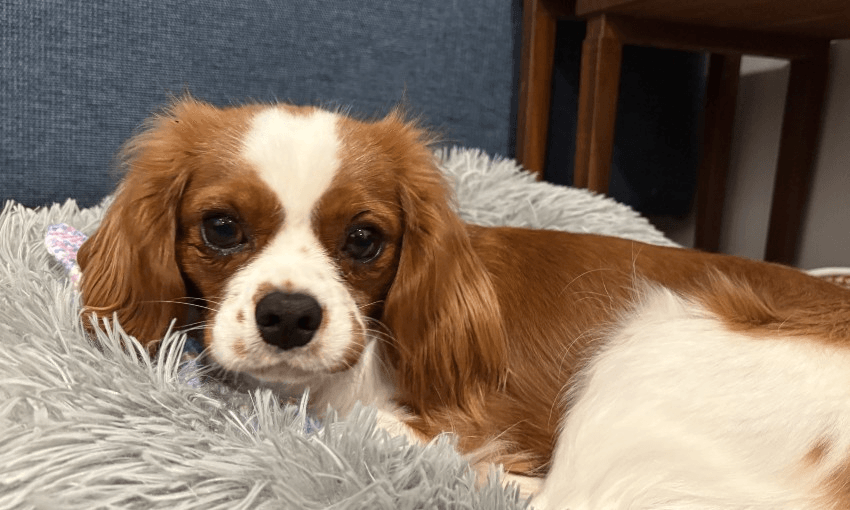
{"points": [[296, 155]]}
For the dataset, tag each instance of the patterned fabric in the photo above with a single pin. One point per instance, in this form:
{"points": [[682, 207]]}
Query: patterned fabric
{"points": [[838, 275], [840, 279], [63, 242]]}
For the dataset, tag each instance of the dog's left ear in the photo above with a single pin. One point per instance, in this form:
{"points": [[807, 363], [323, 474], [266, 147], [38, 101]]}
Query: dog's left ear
{"points": [[442, 308]]}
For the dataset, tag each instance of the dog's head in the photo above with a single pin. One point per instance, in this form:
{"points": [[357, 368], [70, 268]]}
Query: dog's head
{"points": [[304, 234]]}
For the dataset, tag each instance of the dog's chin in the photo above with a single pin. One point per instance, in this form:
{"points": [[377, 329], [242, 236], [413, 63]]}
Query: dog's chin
{"points": [[288, 374], [286, 369]]}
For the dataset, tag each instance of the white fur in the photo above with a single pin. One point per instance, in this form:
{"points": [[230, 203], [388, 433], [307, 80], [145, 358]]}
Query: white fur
{"points": [[296, 156], [680, 412], [366, 382]]}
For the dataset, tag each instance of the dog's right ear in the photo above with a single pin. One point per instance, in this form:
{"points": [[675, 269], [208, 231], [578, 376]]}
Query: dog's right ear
{"points": [[129, 265]]}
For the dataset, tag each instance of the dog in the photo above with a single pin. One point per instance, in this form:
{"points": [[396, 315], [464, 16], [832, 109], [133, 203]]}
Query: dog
{"points": [[325, 252]]}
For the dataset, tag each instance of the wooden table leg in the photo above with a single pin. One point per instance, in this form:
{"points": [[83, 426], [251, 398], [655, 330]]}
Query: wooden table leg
{"points": [[798, 146], [597, 104], [535, 86], [721, 93]]}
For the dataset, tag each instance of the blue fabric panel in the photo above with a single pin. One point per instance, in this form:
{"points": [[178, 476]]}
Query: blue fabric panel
{"points": [[78, 77]]}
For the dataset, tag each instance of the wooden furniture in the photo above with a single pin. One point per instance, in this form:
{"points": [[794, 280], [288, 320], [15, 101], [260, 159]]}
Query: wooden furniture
{"points": [[789, 29]]}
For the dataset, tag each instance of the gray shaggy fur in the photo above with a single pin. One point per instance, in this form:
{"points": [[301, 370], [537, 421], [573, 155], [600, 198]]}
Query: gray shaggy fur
{"points": [[83, 427]]}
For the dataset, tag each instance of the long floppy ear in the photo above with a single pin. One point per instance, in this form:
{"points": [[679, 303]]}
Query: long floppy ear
{"points": [[441, 308], [129, 266]]}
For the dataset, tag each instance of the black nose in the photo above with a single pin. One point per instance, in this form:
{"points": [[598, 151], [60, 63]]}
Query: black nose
{"points": [[288, 320]]}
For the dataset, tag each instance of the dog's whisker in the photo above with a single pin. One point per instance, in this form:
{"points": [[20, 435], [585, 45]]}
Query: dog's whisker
{"points": [[193, 305], [195, 326], [373, 303], [383, 335]]}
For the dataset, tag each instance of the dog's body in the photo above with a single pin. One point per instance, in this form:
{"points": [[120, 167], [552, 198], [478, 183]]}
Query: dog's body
{"points": [[328, 255]]}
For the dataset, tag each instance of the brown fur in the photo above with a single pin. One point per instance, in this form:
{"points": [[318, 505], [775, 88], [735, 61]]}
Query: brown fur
{"points": [[483, 326], [818, 452], [837, 488]]}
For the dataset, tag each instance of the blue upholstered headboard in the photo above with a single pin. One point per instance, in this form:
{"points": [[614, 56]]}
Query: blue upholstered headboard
{"points": [[78, 77]]}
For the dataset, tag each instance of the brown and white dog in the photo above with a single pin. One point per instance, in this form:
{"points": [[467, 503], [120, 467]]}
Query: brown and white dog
{"points": [[327, 254]]}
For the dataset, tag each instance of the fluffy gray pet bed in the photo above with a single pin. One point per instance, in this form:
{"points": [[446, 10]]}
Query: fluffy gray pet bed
{"points": [[84, 428]]}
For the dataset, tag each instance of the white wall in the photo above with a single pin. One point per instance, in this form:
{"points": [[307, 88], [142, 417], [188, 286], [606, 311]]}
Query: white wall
{"points": [[826, 234], [826, 226]]}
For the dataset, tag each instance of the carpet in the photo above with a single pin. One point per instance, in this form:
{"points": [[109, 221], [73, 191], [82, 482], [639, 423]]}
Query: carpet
{"points": [[85, 426]]}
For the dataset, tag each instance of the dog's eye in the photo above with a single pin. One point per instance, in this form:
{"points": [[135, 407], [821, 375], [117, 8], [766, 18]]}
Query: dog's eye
{"points": [[223, 233], [363, 244]]}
